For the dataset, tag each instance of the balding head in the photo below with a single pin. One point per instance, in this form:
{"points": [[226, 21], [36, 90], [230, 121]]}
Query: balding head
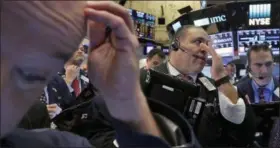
{"points": [[37, 37]]}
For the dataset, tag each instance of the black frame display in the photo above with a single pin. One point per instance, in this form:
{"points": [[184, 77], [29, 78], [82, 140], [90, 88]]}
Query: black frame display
{"points": [[144, 24], [247, 38], [223, 44]]}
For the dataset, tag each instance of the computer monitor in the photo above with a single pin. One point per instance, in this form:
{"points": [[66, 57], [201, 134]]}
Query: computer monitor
{"points": [[169, 90], [165, 50], [223, 44], [148, 48], [266, 113], [267, 110], [247, 38], [176, 26]]}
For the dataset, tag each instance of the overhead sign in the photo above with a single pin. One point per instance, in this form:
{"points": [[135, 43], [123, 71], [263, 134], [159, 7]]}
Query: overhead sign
{"points": [[210, 20], [259, 14], [176, 26]]}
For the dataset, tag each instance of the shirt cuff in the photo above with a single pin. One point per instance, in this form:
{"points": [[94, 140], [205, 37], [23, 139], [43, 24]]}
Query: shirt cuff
{"points": [[57, 111], [234, 113]]}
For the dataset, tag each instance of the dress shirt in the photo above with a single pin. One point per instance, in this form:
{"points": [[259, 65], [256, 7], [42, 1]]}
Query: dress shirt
{"points": [[46, 94], [58, 109], [234, 113], [268, 91]]}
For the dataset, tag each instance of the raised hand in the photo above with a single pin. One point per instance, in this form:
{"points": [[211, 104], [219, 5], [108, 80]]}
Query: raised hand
{"points": [[71, 72], [113, 66], [217, 69]]}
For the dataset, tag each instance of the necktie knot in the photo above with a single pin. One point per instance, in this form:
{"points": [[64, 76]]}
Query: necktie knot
{"points": [[186, 78], [261, 94]]}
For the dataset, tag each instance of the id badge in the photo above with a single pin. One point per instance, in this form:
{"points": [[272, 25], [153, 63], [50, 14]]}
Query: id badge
{"points": [[207, 84]]}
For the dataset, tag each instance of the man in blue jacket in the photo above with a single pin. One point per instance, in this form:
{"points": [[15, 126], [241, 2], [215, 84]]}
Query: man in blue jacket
{"points": [[34, 46]]}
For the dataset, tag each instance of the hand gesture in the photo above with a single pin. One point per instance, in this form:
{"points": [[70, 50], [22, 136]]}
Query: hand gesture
{"points": [[53, 110], [217, 69], [71, 72], [113, 66]]}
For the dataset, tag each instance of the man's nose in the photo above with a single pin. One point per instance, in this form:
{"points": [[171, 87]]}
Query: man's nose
{"points": [[264, 69]]}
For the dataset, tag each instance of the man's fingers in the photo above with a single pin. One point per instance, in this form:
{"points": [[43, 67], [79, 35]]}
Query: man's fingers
{"points": [[116, 23], [113, 8], [51, 110], [208, 49], [51, 106]]}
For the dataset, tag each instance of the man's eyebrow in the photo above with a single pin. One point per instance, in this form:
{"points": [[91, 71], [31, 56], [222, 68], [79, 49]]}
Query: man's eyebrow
{"points": [[202, 38], [65, 56]]}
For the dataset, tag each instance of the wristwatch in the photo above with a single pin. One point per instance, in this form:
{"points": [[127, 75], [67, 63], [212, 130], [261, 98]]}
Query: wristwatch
{"points": [[223, 80]]}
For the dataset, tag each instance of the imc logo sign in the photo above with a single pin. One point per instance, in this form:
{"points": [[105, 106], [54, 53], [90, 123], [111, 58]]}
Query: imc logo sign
{"points": [[259, 14], [210, 20]]}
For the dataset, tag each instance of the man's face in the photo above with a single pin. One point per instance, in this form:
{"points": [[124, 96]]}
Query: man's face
{"points": [[261, 66], [231, 70], [154, 61], [37, 37], [193, 59], [78, 57]]}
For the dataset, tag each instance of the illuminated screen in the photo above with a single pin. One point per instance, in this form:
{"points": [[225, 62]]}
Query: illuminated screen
{"points": [[148, 48], [165, 50], [149, 26], [223, 44], [247, 38], [242, 72], [276, 70], [176, 26], [140, 23]]}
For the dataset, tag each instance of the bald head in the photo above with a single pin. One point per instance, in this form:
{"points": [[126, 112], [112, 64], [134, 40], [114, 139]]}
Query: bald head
{"points": [[37, 37], [43, 22]]}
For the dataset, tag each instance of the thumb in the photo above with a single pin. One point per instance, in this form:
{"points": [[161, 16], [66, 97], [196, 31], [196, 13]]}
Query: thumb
{"points": [[96, 34]]}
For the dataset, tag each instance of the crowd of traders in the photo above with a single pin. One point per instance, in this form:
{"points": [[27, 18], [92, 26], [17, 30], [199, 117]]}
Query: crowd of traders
{"points": [[99, 96]]}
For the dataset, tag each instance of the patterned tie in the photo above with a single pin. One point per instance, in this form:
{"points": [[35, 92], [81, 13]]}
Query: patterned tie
{"points": [[43, 98], [186, 78], [261, 94], [76, 87]]}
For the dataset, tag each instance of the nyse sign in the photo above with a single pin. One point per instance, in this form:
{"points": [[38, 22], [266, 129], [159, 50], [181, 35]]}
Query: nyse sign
{"points": [[260, 21], [259, 14]]}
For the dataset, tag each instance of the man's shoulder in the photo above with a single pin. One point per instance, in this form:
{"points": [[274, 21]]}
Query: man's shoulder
{"points": [[243, 83], [56, 79], [47, 138], [161, 68]]}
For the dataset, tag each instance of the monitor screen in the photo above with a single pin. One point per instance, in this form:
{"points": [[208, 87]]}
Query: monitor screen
{"points": [[149, 26], [223, 44], [247, 38], [165, 50], [276, 71], [148, 48], [176, 26], [242, 72]]}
